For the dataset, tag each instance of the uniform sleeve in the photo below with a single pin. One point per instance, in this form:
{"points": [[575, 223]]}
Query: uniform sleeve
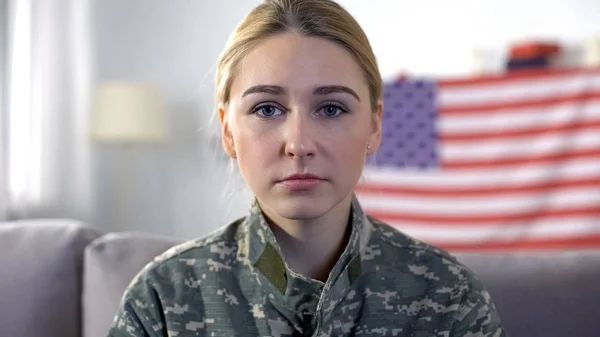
{"points": [[477, 315], [139, 313]]}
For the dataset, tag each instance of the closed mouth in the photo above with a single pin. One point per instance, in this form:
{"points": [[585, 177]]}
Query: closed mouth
{"points": [[303, 176]]}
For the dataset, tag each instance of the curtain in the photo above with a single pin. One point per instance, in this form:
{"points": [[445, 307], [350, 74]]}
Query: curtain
{"points": [[3, 114], [46, 82]]}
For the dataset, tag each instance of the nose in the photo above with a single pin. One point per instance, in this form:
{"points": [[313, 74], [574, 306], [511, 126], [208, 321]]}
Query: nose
{"points": [[299, 136]]}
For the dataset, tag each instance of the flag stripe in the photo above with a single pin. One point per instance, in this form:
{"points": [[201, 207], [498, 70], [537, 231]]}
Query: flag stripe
{"points": [[508, 162], [476, 220], [580, 242], [509, 90], [540, 103], [521, 119], [545, 186], [482, 178], [513, 204], [571, 126], [571, 227], [515, 77], [512, 148]]}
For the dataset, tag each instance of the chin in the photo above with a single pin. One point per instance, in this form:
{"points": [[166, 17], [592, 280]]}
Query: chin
{"points": [[305, 207]]}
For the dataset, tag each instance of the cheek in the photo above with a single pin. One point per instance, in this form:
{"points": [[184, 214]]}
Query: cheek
{"points": [[254, 139], [347, 147], [349, 154], [348, 135], [255, 149]]}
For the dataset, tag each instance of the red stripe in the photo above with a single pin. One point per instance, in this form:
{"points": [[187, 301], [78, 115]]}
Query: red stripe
{"points": [[537, 74], [478, 220], [502, 162], [577, 243], [389, 189], [572, 126], [544, 102]]}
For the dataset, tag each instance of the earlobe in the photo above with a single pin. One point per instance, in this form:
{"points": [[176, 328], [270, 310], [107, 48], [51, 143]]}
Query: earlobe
{"points": [[222, 115], [376, 131], [227, 138]]}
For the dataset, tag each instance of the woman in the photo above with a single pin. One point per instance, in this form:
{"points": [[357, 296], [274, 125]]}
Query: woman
{"points": [[299, 96]]}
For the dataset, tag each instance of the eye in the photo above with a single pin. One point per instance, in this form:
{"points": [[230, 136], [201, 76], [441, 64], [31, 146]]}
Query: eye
{"points": [[332, 110], [267, 110]]}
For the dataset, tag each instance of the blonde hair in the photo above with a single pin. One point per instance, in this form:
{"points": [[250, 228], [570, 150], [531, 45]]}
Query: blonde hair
{"points": [[313, 18]]}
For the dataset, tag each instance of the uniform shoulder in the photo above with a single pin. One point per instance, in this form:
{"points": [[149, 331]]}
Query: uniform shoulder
{"points": [[222, 242], [456, 288], [184, 266], [393, 238], [403, 251]]}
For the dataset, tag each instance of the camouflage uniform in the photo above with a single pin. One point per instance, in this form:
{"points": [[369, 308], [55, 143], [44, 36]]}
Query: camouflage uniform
{"points": [[234, 282]]}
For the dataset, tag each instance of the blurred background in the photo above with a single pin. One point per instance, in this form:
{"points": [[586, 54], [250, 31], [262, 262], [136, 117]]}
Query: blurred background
{"points": [[67, 153]]}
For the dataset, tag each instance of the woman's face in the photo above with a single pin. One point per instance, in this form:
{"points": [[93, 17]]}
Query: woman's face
{"points": [[300, 124]]}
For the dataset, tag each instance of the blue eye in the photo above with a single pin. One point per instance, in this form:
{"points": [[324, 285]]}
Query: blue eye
{"points": [[267, 110], [332, 110]]}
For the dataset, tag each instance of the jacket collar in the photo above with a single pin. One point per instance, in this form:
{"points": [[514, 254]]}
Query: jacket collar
{"points": [[264, 253]]}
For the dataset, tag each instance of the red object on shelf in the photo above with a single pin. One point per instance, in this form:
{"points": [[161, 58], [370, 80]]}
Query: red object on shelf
{"points": [[533, 49]]}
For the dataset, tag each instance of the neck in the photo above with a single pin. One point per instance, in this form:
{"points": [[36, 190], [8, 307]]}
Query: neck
{"points": [[312, 247]]}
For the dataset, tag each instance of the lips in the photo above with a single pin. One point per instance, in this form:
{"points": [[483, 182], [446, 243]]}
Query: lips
{"points": [[301, 182], [302, 176]]}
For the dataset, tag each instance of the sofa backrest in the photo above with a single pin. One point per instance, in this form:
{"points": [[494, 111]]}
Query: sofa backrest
{"points": [[549, 294], [55, 274], [111, 262], [41, 263]]}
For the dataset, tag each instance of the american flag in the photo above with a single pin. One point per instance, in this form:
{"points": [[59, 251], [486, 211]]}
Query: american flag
{"points": [[507, 162]]}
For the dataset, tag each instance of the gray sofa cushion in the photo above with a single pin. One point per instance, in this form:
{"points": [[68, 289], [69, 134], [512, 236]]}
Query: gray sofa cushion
{"points": [[111, 262], [543, 294], [40, 277]]}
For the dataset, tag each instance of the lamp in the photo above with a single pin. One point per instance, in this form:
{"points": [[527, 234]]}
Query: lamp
{"points": [[592, 52], [127, 114]]}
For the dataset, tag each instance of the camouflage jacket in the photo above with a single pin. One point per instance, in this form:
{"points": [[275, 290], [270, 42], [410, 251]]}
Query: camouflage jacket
{"points": [[234, 282]]}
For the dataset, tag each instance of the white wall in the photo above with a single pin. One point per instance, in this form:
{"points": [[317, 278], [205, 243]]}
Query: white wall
{"points": [[437, 37], [179, 186], [175, 43]]}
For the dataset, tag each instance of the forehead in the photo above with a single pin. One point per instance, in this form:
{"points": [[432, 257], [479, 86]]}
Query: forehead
{"points": [[298, 62]]}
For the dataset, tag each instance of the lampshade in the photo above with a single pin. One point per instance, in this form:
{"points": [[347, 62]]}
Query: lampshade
{"points": [[128, 112], [592, 52]]}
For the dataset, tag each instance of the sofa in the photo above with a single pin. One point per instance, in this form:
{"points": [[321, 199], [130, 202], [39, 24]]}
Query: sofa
{"points": [[63, 278]]}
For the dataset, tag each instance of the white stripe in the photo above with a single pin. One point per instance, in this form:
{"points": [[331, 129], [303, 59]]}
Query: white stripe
{"points": [[543, 229], [482, 177], [520, 119], [521, 147], [505, 204], [519, 89]]}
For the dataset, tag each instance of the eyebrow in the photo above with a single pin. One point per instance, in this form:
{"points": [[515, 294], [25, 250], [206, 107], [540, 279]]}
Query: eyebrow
{"points": [[267, 89], [278, 90], [330, 89]]}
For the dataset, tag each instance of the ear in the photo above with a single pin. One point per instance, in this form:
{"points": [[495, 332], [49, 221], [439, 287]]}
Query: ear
{"points": [[374, 140], [226, 137]]}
